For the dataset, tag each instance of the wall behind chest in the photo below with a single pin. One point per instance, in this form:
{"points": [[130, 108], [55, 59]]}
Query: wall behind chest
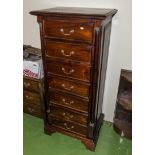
{"points": [[120, 51]]}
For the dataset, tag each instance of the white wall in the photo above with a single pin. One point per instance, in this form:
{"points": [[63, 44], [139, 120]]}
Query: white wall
{"points": [[120, 51]]}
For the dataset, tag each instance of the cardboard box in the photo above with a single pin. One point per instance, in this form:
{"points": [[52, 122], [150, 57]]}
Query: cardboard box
{"points": [[33, 69]]}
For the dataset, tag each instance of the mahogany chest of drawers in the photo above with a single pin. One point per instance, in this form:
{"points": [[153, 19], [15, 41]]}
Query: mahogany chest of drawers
{"points": [[32, 96], [74, 44]]}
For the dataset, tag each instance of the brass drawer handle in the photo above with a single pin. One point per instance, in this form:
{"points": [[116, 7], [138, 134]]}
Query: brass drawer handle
{"points": [[30, 109], [69, 128], [67, 115], [48, 111], [67, 103], [29, 97], [27, 84], [66, 34], [64, 71], [81, 28], [70, 88], [67, 55]]}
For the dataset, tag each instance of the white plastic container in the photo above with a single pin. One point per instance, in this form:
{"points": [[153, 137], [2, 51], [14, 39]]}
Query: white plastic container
{"points": [[33, 69]]}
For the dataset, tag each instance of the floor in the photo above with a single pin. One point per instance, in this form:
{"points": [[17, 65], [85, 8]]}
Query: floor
{"points": [[37, 143]]}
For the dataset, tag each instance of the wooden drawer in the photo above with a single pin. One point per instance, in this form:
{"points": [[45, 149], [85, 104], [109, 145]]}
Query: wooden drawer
{"points": [[72, 127], [122, 114], [32, 109], [81, 30], [69, 101], [31, 97], [61, 113], [78, 52], [68, 86], [69, 69], [31, 85]]}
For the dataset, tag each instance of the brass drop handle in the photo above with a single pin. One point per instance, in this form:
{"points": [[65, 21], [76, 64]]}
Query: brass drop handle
{"points": [[67, 103], [67, 115], [69, 128], [66, 34], [67, 88], [30, 109], [64, 71], [48, 110], [67, 55], [27, 84], [29, 97]]}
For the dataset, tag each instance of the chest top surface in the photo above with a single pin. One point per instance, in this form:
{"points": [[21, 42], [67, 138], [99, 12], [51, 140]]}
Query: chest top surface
{"points": [[75, 11]]}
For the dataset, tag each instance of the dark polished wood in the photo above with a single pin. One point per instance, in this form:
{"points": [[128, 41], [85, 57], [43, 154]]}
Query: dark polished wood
{"points": [[68, 114], [72, 51], [71, 87], [63, 28], [70, 101], [84, 13], [68, 126], [69, 69], [32, 109], [74, 43], [30, 84], [32, 96]]}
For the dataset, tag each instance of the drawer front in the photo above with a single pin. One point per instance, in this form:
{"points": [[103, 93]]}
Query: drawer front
{"points": [[72, 127], [31, 85], [122, 114], [31, 97], [67, 50], [69, 101], [32, 109], [68, 86], [70, 69], [81, 30], [62, 113]]}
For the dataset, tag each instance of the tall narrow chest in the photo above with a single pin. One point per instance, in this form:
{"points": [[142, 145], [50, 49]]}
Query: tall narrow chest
{"points": [[74, 45]]}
